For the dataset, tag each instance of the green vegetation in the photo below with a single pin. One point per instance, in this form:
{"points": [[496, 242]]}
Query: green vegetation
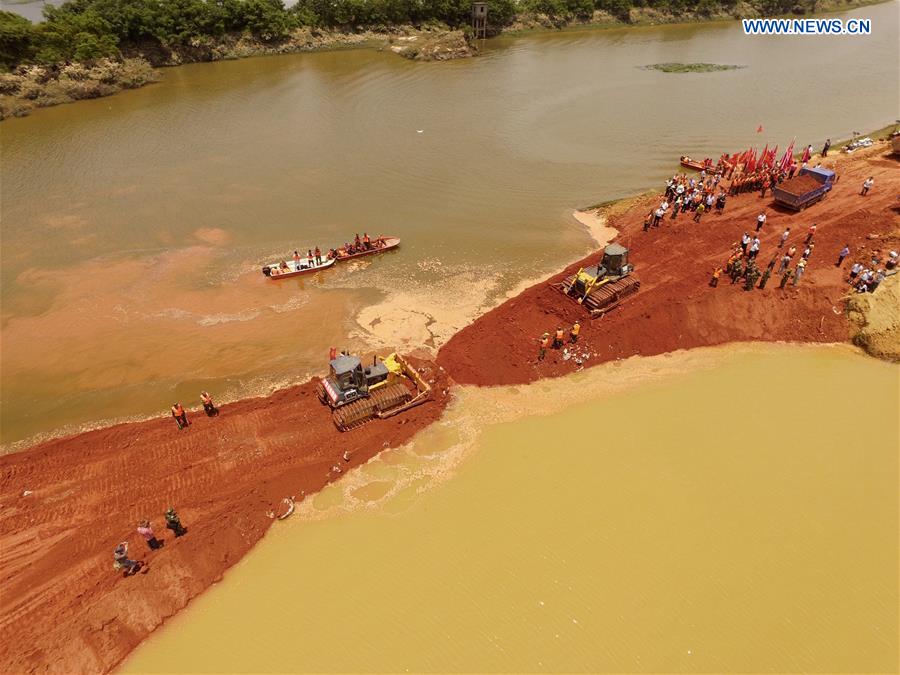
{"points": [[86, 30], [689, 67]]}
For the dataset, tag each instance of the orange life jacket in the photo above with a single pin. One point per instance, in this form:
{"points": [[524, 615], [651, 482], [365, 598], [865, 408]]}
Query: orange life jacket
{"points": [[177, 410], [559, 334]]}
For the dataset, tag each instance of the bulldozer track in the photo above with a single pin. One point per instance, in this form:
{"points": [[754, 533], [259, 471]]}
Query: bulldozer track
{"points": [[607, 296], [359, 412]]}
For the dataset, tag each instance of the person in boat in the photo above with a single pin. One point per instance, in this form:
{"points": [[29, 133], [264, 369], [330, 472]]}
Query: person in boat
{"points": [[283, 266], [356, 242], [367, 243], [332, 254], [379, 243], [296, 260], [318, 256], [309, 257]]}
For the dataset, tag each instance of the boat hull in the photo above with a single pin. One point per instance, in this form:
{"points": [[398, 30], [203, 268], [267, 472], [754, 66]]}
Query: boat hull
{"points": [[272, 271], [389, 243]]}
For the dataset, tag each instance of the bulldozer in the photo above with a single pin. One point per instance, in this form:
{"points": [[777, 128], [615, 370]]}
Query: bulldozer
{"points": [[358, 394], [602, 286]]}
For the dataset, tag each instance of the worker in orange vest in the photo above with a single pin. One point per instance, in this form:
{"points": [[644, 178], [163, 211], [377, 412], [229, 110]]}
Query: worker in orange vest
{"points": [[366, 241], [558, 339], [180, 416], [332, 353], [545, 342]]}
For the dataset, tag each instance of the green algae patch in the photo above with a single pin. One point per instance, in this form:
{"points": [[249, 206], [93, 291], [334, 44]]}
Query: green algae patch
{"points": [[690, 67]]}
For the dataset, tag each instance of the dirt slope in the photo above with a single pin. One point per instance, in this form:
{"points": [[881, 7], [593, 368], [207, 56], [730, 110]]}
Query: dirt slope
{"points": [[675, 307]]}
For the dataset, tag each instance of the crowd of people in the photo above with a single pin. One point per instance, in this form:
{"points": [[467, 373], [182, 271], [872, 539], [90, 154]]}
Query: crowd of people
{"points": [[358, 246], [129, 566], [558, 339]]}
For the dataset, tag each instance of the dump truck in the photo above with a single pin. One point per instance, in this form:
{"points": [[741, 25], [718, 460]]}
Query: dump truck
{"points": [[601, 287], [804, 189], [358, 394]]}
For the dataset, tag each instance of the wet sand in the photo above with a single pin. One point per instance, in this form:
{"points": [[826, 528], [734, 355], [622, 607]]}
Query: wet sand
{"points": [[70, 612]]}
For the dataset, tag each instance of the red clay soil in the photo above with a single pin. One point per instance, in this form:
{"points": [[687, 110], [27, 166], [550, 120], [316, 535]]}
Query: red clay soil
{"points": [[63, 608], [675, 307]]}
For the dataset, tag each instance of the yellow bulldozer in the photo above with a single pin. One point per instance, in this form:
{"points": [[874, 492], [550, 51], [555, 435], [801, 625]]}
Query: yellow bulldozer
{"points": [[357, 394], [601, 287]]}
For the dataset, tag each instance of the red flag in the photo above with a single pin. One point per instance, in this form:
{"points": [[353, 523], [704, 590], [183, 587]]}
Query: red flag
{"points": [[759, 129], [764, 157]]}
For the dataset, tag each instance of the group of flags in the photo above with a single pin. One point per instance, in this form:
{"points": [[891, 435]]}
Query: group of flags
{"points": [[767, 159]]}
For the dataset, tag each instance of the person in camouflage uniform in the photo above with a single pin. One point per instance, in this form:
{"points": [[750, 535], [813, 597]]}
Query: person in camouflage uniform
{"points": [[173, 522]]}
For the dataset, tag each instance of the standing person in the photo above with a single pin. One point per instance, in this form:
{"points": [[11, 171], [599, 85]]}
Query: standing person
{"points": [[810, 233], [745, 242], [657, 216], [854, 271], [318, 254], [714, 282], [296, 261], [699, 213], [765, 186], [826, 147], [737, 271], [180, 415], [808, 251], [173, 522], [792, 251], [573, 334], [801, 268], [208, 406], [122, 561], [867, 185], [720, 203], [785, 278], [765, 276], [310, 259], [545, 344], [648, 221], [146, 531], [754, 248], [676, 206], [785, 261], [760, 221], [558, 339], [843, 254], [784, 237], [332, 353]]}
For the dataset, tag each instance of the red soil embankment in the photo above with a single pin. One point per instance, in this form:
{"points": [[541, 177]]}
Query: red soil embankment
{"points": [[675, 307], [64, 609]]}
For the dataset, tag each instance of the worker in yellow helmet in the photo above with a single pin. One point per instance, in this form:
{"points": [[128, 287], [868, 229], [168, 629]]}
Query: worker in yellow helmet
{"points": [[573, 334]]}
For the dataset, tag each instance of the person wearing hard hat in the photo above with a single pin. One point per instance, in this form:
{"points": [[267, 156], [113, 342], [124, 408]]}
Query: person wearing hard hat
{"points": [[545, 342], [573, 334]]}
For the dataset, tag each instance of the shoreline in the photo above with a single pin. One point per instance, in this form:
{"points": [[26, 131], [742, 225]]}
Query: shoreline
{"points": [[30, 87], [71, 613]]}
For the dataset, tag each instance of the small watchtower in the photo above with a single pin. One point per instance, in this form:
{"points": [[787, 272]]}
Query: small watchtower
{"points": [[479, 19]]}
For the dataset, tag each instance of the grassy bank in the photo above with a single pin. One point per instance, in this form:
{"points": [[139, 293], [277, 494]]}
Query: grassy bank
{"points": [[91, 48]]}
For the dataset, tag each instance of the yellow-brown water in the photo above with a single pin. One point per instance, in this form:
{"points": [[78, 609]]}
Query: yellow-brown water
{"points": [[730, 509], [134, 227]]}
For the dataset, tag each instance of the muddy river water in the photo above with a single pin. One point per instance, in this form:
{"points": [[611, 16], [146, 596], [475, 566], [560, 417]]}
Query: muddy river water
{"points": [[721, 510], [134, 227]]}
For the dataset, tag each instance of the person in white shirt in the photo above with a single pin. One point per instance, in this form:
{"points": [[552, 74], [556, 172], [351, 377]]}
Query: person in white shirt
{"points": [[867, 184], [760, 221]]}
